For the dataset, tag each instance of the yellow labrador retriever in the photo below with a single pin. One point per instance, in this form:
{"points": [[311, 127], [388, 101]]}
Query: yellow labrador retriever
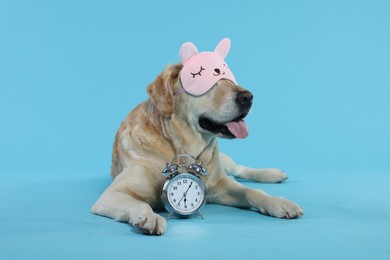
{"points": [[166, 125]]}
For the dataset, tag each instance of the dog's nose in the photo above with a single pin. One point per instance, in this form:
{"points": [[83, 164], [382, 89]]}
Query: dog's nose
{"points": [[244, 97]]}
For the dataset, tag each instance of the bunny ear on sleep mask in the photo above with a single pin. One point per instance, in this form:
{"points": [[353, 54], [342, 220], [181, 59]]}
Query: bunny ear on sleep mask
{"points": [[187, 50], [223, 48], [201, 71]]}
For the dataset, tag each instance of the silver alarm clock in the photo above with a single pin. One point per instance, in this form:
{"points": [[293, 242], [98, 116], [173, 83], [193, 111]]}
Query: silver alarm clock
{"points": [[183, 192]]}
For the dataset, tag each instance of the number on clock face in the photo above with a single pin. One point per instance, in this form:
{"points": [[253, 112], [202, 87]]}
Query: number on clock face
{"points": [[185, 193]]}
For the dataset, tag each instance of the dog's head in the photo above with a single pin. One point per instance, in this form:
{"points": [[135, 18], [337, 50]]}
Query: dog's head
{"points": [[219, 111]]}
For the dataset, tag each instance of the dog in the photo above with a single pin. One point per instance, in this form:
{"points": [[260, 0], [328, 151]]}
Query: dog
{"points": [[174, 120]]}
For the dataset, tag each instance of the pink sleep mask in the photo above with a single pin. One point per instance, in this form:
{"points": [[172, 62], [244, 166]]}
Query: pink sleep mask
{"points": [[201, 71]]}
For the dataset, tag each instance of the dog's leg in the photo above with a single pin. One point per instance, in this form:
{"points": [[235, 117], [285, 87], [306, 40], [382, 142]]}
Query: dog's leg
{"points": [[231, 193], [122, 203], [269, 175]]}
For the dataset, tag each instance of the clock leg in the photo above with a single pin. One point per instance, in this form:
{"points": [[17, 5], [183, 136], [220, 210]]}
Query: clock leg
{"points": [[200, 214], [170, 215]]}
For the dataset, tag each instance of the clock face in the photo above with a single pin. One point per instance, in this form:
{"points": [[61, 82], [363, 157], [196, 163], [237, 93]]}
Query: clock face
{"points": [[185, 193]]}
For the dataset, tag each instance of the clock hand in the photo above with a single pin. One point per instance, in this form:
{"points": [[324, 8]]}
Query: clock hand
{"points": [[188, 189], [185, 195]]}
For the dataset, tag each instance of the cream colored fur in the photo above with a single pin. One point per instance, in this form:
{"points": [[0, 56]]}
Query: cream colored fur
{"points": [[166, 125]]}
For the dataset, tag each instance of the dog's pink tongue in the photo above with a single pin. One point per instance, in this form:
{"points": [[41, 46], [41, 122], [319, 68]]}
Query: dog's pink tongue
{"points": [[238, 129]]}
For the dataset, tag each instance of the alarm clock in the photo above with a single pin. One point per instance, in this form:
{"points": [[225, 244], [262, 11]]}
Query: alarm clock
{"points": [[183, 193]]}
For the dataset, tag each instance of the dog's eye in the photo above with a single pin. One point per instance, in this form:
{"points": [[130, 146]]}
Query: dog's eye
{"points": [[198, 73]]}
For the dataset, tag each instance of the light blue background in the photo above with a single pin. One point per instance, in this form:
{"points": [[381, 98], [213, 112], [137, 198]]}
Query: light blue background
{"points": [[70, 71]]}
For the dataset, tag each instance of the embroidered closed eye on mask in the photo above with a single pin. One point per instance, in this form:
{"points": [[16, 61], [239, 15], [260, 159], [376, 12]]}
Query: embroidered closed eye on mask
{"points": [[201, 71]]}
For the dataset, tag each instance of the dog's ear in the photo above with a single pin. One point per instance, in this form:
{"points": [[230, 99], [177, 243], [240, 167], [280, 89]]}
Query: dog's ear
{"points": [[161, 91]]}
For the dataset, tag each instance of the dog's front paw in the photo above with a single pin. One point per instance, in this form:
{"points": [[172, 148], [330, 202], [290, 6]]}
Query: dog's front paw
{"points": [[151, 224], [281, 208]]}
